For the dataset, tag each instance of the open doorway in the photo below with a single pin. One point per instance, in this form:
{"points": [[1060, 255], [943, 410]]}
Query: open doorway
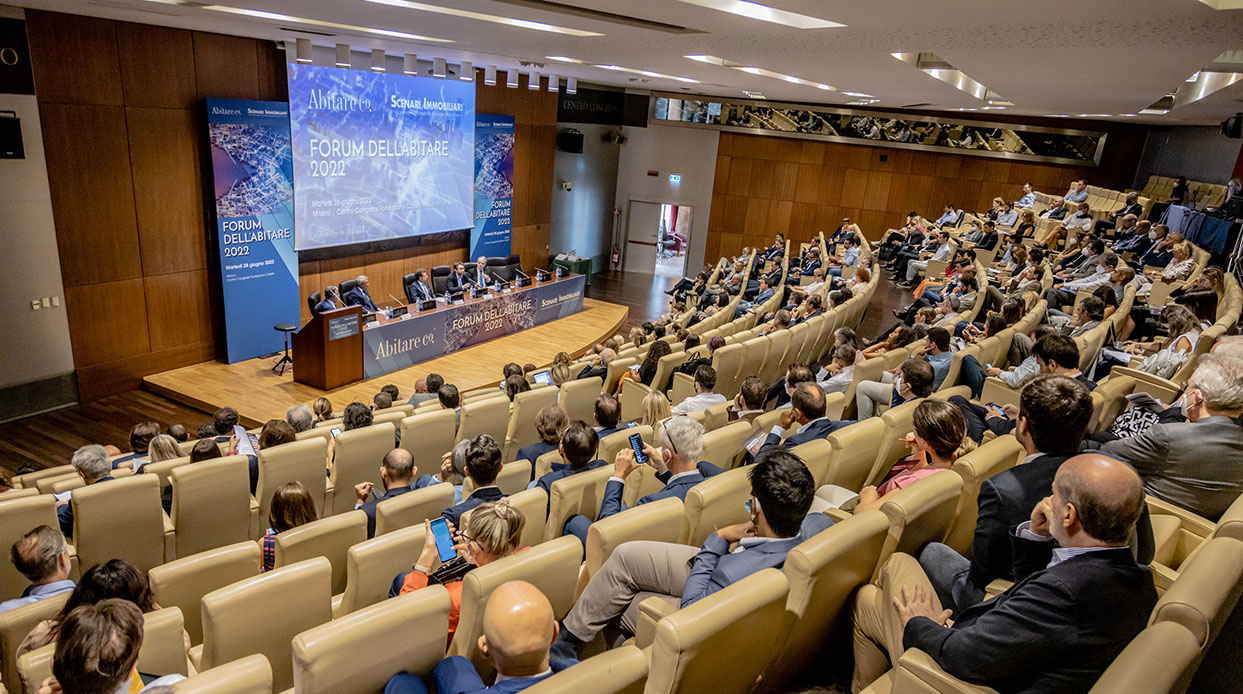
{"points": [[657, 238]]}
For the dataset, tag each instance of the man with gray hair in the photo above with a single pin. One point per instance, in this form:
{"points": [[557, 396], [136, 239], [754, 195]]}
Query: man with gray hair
{"points": [[300, 417], [599, 366], [1195, 464], [92, 465], [676, 460], [41, 555], [360, 295]]}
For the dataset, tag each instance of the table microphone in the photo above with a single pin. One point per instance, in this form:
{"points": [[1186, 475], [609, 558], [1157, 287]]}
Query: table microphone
{"points": [[399, 301]]}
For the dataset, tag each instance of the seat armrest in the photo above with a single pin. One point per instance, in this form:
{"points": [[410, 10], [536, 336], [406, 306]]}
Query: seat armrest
{"points": [[256, 532], [997, 391], [336, 605], [170, 538], [837, 514], [997, 587], [918, 672], [651, 611], [195, 654], [1192, 523], [328, 489]]}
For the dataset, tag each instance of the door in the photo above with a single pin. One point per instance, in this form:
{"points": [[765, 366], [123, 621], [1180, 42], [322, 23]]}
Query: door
{"points": [[642, 230]]}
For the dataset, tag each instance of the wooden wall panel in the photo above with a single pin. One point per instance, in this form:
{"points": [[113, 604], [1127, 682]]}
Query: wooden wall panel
{"points": [[178, 309], [107, 321], [226, 66], [168, 189], [92, 192], [157, 66], [76, 59]]}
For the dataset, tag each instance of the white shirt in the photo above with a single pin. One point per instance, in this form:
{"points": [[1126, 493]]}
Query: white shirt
{"points": [[1076, 222], [837, 383], [1024, 371], [943, 252], [698, 403], [1097, 279]]}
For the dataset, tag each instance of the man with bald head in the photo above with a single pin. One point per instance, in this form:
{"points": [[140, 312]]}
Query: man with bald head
{"points": [[396, 471], [1079, 598], [518, 630]]}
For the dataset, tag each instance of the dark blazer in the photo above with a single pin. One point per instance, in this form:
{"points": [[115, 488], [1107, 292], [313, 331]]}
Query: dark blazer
{"points": [[715, 567], [369, 507], [612, 503], [605, 431], [421, 291], [357, 297], [561, 471], [479, 276], [989, 242], [457, 284], [533, 452], [64, 512], [116, 463], [480, 496], [1059, 213], [819, 429], [810, 266], [1135, 209], [325, 305], [1006, 500], [590, 371], [456, 675], [1053, 632]]}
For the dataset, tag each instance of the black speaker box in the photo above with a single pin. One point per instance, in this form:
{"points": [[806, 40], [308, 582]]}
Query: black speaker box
{"points": [[570, 141], [11, 137]]}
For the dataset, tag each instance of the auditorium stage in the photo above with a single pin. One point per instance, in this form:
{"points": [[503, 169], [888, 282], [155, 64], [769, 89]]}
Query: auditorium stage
{"points": [[259, 394]]}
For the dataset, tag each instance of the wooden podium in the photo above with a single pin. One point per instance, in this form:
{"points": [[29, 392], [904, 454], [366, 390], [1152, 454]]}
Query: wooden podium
{"points": [[328, 351]]}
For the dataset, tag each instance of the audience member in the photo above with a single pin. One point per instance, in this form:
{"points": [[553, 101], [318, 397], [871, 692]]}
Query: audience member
{"points": [[97, 652], [483, 464], [450, 399], [655, 409], [178, 432], [394, 395], [704, 397], [425, 389], [912, 379], [749, 403], [323, 410], [205, 430], [205, 449], [808, 410], [599, 366], [91, 464], [452, 470], [300, 417], [607, 411], [42, 556], [139, 442], [579, 445], [115, 578], [380, 401], [224, 420], [514, 385], [291, 507], [549, 422], [396, 474]]}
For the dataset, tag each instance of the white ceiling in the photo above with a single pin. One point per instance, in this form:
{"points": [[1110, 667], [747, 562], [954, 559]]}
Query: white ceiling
{"points": [[1045, 56]]}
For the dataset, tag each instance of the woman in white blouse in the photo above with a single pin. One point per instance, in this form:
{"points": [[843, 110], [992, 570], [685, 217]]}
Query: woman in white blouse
{"points": [[1181, 266]]}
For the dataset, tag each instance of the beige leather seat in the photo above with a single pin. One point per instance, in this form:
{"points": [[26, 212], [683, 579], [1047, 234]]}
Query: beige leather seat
{"points": [[15, 624], [853, 452], [122, 519], [249, 675], [1155, 662], [578, 398], [622, 670], [824, 573], [488, 416], [427, 435], [717, 416], [328, 537], [164, 469], [715, 503], [534, 506], [301, 461], [659, 521], [263, 614], [28, 480], [326, 658], [17, 517], [920, 513], [620, 440], [552, 567], [1108, 401], [184, 582], [579, 494], [996, 456], [521, 431], [212, 505], [17, 493], [163, 643], [616, 367], [34, 667], [412, 508], [1189, 533], [816, 455], [357, 458], [543, 464], [723, 447], [1206, 591], [370, 567], [774, 359], [513, 478], [694, 646], [898, 423]]}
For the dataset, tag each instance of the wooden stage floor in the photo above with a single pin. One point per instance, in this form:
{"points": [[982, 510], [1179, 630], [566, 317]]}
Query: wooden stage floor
{"points": [[259, 394]]}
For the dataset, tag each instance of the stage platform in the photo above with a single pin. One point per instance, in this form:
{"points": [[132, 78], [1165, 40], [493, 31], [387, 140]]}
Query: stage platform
{"points": [[259, 394]]}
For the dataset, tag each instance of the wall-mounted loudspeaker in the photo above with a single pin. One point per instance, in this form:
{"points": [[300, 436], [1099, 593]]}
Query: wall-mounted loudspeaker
{"points": [[570, 140], [11, 136], [1233, 126]]}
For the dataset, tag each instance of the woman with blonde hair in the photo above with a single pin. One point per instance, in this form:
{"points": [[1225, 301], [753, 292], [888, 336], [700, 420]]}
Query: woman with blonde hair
{"points": [[292, 506], [493, 531], [163, 447], [1183, 330], [322, 409], [1181, 266], [655, 408], [560, 371]]}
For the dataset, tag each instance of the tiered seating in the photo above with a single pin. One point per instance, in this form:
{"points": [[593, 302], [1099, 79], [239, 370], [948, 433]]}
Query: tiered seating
{"points": [[1202, 194]]}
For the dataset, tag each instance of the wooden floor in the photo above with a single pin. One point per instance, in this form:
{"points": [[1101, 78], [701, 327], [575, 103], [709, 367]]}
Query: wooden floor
{"points": [[644, 294], [260, 395]]}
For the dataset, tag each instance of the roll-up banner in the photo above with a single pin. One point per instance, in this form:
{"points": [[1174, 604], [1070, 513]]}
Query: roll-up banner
{"points": [[252, 166], [494, 186]]}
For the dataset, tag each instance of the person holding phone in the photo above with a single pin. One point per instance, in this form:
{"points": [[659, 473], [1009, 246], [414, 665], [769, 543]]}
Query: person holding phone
{"points": [[578, 449], [396, 473], [493, 532]]}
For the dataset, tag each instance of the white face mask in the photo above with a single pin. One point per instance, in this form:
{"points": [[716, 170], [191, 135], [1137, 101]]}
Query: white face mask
{"points": [[1184, 406], [897, 384], [1102, 268], [1152, 236], [1086, 252]]}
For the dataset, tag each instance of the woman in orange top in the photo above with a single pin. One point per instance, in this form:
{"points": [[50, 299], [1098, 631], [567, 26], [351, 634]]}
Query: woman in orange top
{"points": [[492, 532]]}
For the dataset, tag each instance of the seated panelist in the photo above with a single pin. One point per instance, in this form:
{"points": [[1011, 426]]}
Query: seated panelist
{"points": [[420, 289], [479, 273], [360, 296], [459, 281], [332, 300]]}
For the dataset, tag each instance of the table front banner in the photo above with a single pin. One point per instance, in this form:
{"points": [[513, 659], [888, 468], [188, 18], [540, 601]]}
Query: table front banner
{"points": [[424, 336]]}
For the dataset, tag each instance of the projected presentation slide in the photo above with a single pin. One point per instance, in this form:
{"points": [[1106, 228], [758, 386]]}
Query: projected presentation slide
{"points": [[379, 156]]}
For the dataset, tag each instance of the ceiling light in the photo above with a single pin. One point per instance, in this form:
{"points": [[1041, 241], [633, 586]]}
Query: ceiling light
{"points": [[571, 85], [511, 78], [495, 19], [489, 75], [466, 71], [440, 68], [754, 95], [751, 69], [764, 13], [343, 55], [553, 83], [1095, 115], [1153, 112], [1056, 115], [563, 59], [303, 50], [861, 95], [647, 73], [377, 59], [935, 66], [286, 18], [1127, 115], [533, 81], [410, 64]]}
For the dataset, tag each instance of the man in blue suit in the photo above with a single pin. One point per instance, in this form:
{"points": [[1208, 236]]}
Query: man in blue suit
{"points": [[332, 300], [360, 296], [420, 289], [781, 492], [677, 463], [578, 449], [483, 464], [518, 629], [396, 472], [808, 408], [764, 294]]}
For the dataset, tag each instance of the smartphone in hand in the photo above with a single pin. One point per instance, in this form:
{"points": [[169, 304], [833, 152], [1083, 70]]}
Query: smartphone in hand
{"points": [[636, 445], [444, 541]]}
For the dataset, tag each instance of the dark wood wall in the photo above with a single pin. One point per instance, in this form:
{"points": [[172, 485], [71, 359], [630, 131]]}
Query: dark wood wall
{"points": [[121, 106], [768, 184]]}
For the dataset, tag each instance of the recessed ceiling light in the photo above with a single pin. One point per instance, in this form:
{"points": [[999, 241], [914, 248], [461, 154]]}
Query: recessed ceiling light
{"points": [[754, 95], [858, 94], [936, 66], [751, 69], [495, 19], [647, 73], [278, 17], [563, 59], [1096, 115], [764, 13]]}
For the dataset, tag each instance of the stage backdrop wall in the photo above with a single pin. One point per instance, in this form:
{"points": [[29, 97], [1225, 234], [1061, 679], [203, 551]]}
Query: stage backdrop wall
{"points": [[132, 211]]}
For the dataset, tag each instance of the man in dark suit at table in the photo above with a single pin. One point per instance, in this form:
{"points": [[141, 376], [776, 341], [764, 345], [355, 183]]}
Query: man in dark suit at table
{"points": [[479, 272], [332, 300], [397, 473], [419, 289], [360, 295], [459, 281], [1080, 598], [1054, 412], [483, 464]]}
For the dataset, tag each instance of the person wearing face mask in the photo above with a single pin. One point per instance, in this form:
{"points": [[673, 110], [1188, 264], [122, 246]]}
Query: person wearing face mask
{"points": [[1195, 464], [912, 379], [782, 490], [1062, 293]]}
